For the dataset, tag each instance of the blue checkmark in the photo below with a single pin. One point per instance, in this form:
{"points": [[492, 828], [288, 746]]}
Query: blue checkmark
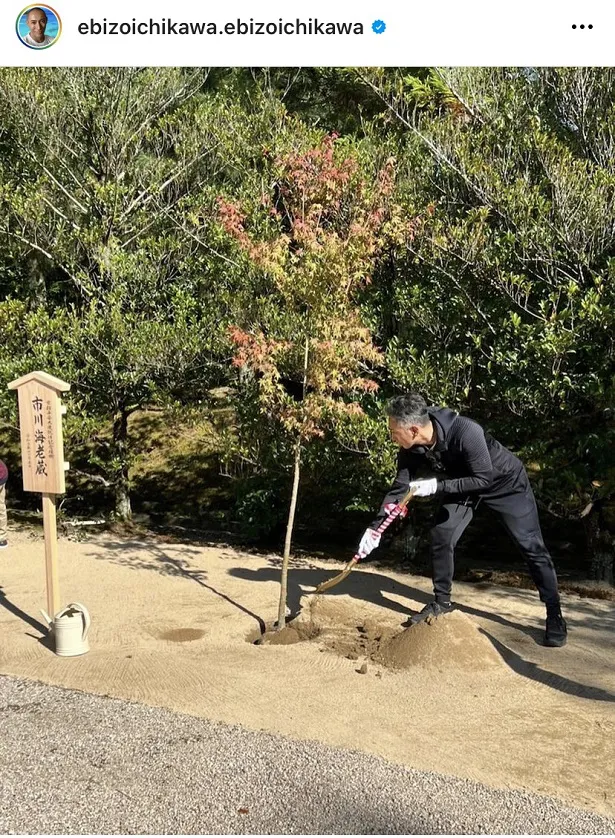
{"points": [[378, 26]]}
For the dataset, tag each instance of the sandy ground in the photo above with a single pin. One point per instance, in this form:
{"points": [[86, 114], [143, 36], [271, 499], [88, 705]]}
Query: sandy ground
{"points": [[173, 626]]}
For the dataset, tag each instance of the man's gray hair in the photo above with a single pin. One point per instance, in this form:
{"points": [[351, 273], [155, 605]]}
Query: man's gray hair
{"points": [[410, 409]]}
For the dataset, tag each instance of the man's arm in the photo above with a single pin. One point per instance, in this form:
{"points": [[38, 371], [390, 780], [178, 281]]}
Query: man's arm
{"points": [[476, 455], [399, 487]]}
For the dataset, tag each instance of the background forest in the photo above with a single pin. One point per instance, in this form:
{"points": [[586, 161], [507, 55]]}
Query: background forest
{"points": [[235, 268]]}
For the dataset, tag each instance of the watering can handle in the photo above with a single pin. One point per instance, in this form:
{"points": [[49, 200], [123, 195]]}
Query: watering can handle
{"points": [[86, 616]]}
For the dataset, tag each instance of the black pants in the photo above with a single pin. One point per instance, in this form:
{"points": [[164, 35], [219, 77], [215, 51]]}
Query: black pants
{"points": [[518, 512]]}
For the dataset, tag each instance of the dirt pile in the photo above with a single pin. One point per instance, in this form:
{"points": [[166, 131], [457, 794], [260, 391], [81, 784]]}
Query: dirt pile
{"points": [[328, 611], [451, 640], [284, 637], [294, 631], [342, 628]]}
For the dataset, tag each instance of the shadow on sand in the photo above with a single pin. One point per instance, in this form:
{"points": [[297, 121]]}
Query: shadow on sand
{"points": [[43, 629]]}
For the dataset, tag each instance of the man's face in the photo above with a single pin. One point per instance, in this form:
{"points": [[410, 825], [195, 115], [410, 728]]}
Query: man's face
{"points": [[37, 22], [403, 435]]}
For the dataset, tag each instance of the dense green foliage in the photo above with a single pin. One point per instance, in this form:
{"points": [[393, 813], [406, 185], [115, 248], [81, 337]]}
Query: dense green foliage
{"points": [[162, 234]]}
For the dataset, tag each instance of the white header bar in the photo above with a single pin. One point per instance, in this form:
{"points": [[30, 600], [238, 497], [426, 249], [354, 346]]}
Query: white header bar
{"points": [[306, 33]]}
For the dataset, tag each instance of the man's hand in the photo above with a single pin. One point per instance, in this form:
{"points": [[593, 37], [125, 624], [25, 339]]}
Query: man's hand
{"points": [[369, 542], [424, 488]]}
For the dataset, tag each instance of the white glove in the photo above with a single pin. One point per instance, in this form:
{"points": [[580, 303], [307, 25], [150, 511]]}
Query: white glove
{"points": [[369, 542], [424, 488]]}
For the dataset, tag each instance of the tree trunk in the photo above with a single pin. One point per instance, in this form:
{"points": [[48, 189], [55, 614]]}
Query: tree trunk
{"points": [[289, 535], [293, 506], [123, 510], [600, 544], [37, 287]]}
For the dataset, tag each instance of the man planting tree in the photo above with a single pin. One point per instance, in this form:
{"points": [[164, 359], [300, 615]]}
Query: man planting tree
{"points": [[452, 457]]}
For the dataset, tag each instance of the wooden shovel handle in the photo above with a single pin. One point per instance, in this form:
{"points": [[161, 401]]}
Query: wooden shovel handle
{"points": [[393, 514]]}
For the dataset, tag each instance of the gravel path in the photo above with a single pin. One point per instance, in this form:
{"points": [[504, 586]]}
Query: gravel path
{"points": [[73, 763]]}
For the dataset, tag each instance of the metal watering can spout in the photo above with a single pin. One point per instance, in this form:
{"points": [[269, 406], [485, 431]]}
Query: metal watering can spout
{"points": [[48, 619]]}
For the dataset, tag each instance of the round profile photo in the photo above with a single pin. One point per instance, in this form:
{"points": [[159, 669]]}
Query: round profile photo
{"points": [[38, 27]]}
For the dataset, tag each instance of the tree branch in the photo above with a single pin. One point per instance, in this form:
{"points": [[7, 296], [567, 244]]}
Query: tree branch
{"points": [[95, 478]]}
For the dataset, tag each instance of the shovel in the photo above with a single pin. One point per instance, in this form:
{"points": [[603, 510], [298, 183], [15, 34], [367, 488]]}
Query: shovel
{"points": [[395, 513]]}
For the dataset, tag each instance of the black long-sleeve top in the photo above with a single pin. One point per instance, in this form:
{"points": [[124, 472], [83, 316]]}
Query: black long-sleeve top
{"points": [[464, 459]]}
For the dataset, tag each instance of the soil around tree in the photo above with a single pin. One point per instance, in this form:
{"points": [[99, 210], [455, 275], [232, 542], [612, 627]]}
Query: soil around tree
{"points": [[474, 694], [452, 640]]}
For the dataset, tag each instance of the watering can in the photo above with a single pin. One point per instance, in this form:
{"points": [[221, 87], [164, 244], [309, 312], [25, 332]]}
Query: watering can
{"points": [[70, 628]]}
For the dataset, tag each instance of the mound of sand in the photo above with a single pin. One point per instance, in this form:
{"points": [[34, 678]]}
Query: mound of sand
{"points": [[295, 631], [450, 640], [327, 611], [343, 628]]}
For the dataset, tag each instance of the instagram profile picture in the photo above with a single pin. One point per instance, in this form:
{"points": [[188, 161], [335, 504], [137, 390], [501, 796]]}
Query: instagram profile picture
{"points": [[38, 27]]}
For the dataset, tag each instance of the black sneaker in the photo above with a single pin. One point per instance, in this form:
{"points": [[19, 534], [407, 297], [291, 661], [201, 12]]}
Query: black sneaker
{"points": [[556, 633], [432, 609], [4, 543]]}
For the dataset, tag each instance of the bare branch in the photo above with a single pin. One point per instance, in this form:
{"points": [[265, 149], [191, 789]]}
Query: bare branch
{"points": [[80, 286], [143, 201], [95, 478], [59, 212], [458, 285], [467, 107], [192, 235]]}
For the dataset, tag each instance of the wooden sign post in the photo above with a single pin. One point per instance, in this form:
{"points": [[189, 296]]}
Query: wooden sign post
{"points": [[42, 459]]}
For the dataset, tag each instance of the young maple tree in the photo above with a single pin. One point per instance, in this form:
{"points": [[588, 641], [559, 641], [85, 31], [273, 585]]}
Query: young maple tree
{"points": [[326, 225]]}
